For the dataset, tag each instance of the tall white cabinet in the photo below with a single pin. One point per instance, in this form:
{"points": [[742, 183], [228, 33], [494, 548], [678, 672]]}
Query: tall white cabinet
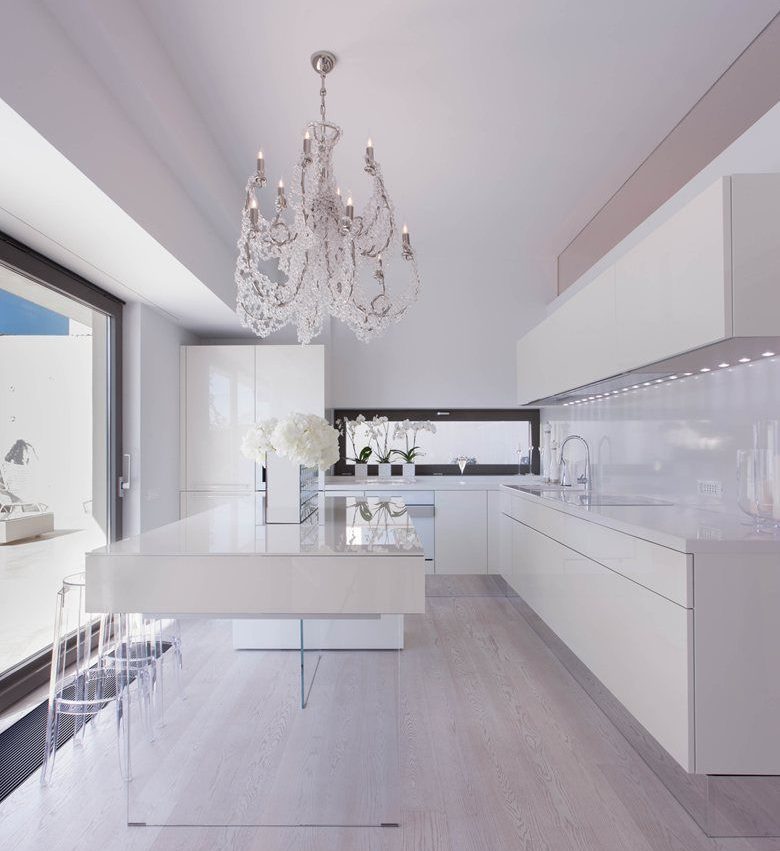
{"points": [[224, 389], [217, 406]]}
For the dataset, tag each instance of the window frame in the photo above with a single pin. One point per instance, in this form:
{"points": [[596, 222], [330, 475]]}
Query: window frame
{"points": [[530, 415], [17, 682]]}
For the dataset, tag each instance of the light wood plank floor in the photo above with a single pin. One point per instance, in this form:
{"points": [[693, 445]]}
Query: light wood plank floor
{"points": [[500, 749]]}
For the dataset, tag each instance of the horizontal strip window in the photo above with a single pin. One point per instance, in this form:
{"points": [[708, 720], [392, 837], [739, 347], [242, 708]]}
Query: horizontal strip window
{"points": [[496, 441]]}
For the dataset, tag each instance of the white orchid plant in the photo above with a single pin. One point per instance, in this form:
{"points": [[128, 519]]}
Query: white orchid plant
{"points": [[379, 435], [350, 428], [305, 439], [403, 429]]}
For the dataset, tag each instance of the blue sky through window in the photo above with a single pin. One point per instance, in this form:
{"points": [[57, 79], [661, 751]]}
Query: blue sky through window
{"points": [[21, 317]]}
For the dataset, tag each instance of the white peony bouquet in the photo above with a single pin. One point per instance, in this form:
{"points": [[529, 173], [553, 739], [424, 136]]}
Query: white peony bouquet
{"points": [[304, 439]]}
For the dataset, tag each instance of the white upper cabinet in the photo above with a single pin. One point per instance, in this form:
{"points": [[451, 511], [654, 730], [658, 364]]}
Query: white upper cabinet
{"points": [[573, 346], [673, 290], [755, 235], [218, 401], [706, 274]]}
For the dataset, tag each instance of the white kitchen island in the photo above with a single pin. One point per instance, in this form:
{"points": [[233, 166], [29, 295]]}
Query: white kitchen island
{"points": [[241, 749]]}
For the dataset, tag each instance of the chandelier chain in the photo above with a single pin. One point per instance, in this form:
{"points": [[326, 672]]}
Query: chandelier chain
{"points": [[323, 92]]}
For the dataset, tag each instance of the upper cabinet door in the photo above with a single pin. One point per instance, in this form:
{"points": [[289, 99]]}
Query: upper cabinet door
{"points": [[289, 380], [673, 289], [573, 346], [219, 406]]}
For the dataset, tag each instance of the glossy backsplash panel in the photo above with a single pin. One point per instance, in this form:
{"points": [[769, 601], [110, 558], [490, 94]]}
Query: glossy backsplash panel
{"points": [[661, 440]]}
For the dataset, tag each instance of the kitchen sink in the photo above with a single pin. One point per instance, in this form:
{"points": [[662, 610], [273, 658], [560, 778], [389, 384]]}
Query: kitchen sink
{"points": [[543, 489], [594, 499], [577, 495]]}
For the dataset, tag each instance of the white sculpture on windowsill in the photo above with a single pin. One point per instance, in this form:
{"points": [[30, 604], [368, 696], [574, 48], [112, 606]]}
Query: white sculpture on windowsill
{"points": [[21, 516]]}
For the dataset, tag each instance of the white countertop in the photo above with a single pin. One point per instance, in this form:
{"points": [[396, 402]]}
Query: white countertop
{"points": [[345, 526], [680, 527], [354, 556], [425, 483]]}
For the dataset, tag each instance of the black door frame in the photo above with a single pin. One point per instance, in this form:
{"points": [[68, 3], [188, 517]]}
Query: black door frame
{"points": [[28, 675]]}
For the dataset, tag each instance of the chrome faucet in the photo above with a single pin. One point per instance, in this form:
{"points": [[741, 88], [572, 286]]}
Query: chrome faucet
{"points": [[584, 479]]}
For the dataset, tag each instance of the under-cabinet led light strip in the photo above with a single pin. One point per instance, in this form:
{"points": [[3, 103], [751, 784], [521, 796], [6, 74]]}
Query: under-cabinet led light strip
{"points": [[655, 382]]}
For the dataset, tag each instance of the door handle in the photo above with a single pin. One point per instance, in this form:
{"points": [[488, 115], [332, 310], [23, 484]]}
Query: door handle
{"points": [[124, 479]]}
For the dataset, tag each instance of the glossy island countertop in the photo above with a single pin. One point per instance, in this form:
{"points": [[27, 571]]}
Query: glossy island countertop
{"points": [[681, 527], [344, 526], [353, 557]]}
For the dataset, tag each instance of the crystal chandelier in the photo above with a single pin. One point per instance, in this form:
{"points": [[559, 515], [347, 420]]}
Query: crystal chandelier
{"points": [[318, 245]]}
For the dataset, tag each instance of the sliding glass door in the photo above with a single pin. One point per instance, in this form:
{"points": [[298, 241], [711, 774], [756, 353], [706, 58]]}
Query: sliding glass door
{"points": [[58, 426]]}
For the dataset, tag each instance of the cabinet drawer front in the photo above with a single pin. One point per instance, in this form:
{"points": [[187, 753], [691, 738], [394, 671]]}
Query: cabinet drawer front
{"points": [[636, 642], [658, 568]]}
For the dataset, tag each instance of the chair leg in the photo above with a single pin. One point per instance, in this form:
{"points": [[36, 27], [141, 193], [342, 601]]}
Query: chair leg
{"points": [[52, 716], [122, 674], [50, 748]]}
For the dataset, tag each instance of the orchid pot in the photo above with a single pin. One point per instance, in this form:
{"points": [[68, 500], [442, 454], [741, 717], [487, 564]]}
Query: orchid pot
{"points": [[385, 471], [361, 472], [408, 472]]}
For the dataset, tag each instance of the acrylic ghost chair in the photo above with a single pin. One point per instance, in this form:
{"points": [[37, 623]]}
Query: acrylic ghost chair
{"points": [[129, 649]]}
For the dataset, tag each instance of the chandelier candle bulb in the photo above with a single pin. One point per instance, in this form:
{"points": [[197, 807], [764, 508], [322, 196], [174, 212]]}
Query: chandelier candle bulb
{"points": [[260, 164], [405, 236], [370, 150], [253, 212], [350, 208], [306, 143], [280, 189]]}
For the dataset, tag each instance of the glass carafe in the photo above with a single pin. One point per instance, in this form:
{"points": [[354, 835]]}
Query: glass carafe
{"points": [[756, 487]]}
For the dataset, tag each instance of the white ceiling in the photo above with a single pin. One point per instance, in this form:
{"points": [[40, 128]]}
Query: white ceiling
{"points": [[501, 125]]}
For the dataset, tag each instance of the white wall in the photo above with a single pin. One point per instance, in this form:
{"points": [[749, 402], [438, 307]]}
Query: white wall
{"points": [[456, 351], [151, 417]]}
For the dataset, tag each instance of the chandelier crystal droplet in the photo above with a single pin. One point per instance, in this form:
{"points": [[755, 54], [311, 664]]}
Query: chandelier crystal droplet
{"points": [[319, 246]]}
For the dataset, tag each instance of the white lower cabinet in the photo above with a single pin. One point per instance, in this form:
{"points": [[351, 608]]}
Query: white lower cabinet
{"points": [[638, 643], [494, 531], [461, 531]]}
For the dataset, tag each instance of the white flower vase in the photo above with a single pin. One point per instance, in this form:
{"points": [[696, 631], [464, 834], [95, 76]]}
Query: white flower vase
{"points": [[290, 490], [408, 472], [361, 472], [385, 471]]}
